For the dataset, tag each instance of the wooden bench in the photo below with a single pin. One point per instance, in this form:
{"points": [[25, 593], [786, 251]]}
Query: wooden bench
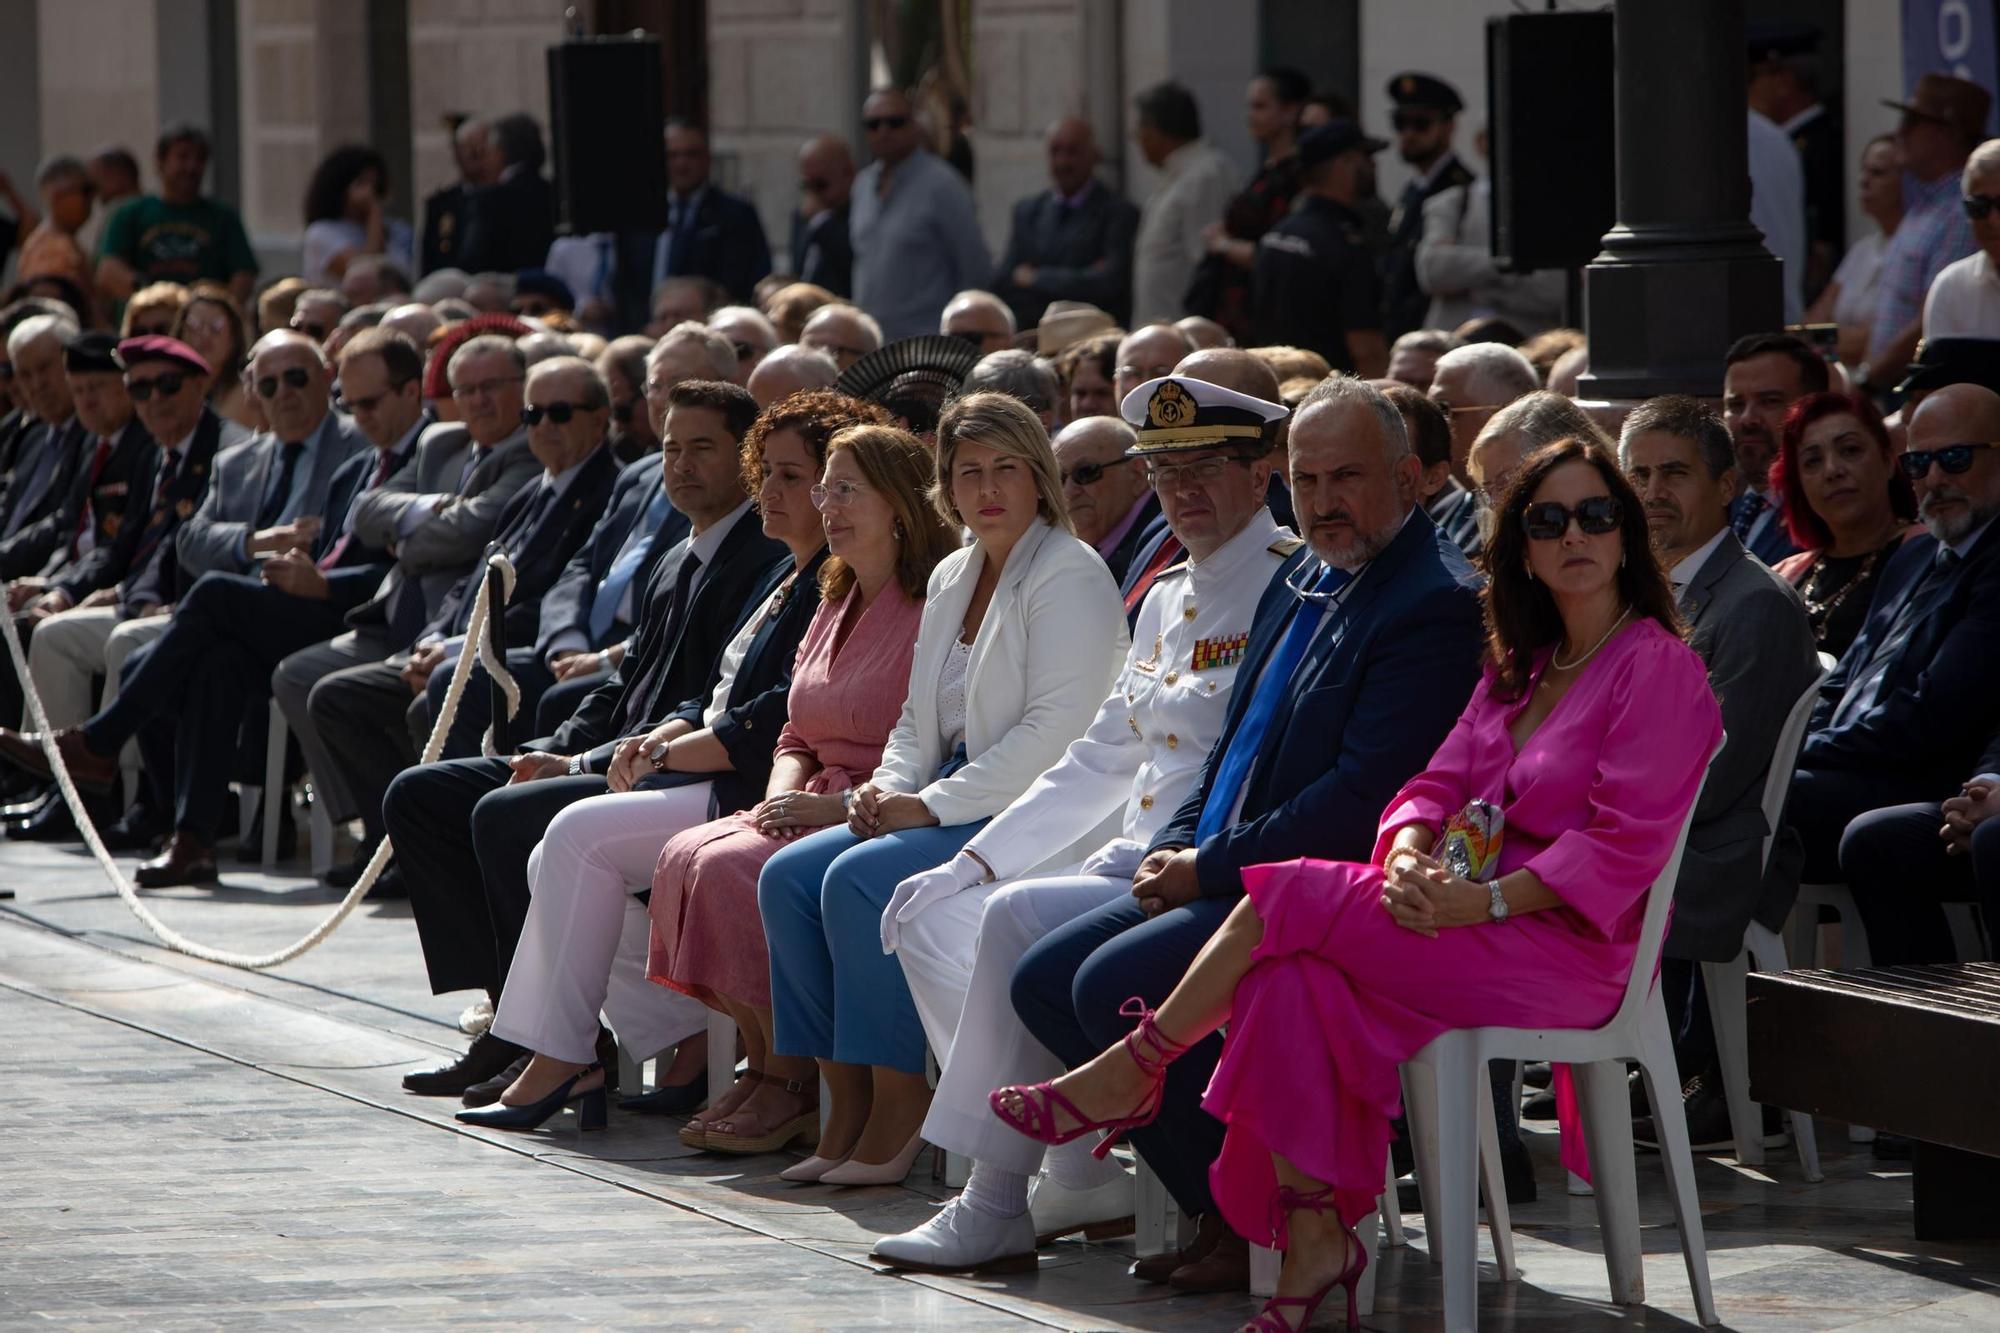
{"points": [[1909, 1050]]}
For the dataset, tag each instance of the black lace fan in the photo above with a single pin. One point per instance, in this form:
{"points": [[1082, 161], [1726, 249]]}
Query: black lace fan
{"points": [[913, 377]]}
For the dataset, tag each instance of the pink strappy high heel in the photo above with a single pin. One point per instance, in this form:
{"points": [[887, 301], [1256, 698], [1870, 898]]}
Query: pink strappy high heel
{"points": [[1272, 1318], [1036, 1117]]}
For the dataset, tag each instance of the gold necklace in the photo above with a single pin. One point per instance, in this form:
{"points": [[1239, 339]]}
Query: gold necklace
{"points": [[1571, 666]]}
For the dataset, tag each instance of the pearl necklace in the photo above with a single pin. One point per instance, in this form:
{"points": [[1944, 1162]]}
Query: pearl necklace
{"points": [[1571, 666]]}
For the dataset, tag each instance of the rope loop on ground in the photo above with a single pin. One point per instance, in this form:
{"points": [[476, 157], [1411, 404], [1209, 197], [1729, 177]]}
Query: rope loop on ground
{"points": [[274, 802]]}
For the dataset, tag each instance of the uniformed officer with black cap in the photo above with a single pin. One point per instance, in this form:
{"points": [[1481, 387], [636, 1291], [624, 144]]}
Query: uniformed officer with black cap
{"points": [[1425, 117], [1315, 283]]}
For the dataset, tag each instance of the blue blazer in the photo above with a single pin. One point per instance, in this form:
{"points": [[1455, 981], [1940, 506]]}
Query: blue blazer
{"points": [[1367, 708], [1936, 707], [566, 607]]}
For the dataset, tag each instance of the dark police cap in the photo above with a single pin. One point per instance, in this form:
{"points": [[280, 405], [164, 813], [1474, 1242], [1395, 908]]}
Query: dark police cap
{"points": [[1427, 91], [1777, 41], [1322, 143], [1946, 361], [91, 351]]}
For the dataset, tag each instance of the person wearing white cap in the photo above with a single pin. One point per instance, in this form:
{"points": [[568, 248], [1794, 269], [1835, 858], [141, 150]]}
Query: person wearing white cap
{"points": [[960, 928]]}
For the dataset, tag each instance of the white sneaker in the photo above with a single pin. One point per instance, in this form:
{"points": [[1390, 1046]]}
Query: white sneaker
{"points": [[1099, 1213], [962, 1240]]}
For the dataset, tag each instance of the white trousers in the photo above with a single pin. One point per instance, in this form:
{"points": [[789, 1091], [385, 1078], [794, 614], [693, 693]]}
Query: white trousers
{"points": [[583, 949], [73, 647], [959, 958]]}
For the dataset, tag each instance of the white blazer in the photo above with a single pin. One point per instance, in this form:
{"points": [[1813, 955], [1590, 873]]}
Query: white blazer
{"points": [[1047, 651]]}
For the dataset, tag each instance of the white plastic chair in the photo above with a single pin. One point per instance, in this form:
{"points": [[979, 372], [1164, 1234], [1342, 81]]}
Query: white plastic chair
{"points": [[278, 800], [1452, 1071], [1765, 950]]}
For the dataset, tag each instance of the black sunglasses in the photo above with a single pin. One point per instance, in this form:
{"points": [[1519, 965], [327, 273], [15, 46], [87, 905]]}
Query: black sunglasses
{"points": [[1953, 458], [1548, 521], [1979, 207], [873, 123], [1413, 120], [316, 332], [168, 385], [1089, 474], [560, 413], [295, 378], [368, 404]]}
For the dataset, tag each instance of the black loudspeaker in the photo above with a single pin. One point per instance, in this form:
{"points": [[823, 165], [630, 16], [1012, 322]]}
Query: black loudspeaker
{"points": [[1552, 137], [605, 122]]}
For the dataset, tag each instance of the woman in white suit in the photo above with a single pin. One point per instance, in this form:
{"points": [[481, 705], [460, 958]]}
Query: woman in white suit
{"points": [[1022, 633]]}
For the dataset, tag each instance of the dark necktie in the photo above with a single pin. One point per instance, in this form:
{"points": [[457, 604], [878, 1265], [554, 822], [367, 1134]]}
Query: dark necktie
{"points": [[331, 559], [1748, 507], [162, 515], [522, 530], [638, 699], [274, 503], [83, 514], [1864, 691]]}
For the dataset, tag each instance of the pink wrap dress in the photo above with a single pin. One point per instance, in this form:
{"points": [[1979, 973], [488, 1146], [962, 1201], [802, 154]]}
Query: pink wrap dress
{"points": [[1338, 994], [708, 937]]}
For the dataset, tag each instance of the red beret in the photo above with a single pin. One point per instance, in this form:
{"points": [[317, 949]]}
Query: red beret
{"points": [[455, 337], [159, 347]]}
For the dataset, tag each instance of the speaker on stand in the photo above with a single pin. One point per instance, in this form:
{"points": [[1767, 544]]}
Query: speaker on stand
{"points": [[605, 125]]}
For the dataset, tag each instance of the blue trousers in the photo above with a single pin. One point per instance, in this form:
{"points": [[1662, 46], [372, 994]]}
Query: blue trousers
{"points": [[834, 994], [1067, 990]]}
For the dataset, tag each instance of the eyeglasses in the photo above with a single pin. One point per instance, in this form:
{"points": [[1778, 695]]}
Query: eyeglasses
{"points": [[842, 493], [1141, 373], [1953, 458], [1170, 476], [1444, 405], [1088, 474], [1979, 207], [874, 123], [1413, 120], [167, 386], [835, 350], [560, 413], [295, 378], [466, 392], [1548, 521]]}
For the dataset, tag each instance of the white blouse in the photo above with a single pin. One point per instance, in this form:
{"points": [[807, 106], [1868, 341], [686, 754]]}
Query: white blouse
{"points": [[951, 694]]}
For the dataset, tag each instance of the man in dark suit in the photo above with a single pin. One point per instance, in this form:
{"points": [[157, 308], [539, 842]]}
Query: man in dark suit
{"points": [[1425, 118], [44, 454], [361, 712], [1364, 650], [1071, 242], [1751, 630], [1110, 502], [1469, 385], [821, 253], [445, 211], [1763, 375], [710, 233], [186, 695], [510, 223], [1904, 717], [463, 828]]}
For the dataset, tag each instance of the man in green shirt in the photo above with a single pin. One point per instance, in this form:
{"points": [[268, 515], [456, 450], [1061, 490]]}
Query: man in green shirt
{"points": [[176, 235]]}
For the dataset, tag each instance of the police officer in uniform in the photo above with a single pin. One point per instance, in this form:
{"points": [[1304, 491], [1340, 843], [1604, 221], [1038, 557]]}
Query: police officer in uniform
{"points": [[1315, 284], [1784, 87], [959, 929], [1425, 118]]}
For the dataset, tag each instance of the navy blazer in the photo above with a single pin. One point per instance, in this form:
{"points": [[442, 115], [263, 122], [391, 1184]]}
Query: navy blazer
{"points": [[567, 605], [539, 551], [46, 543], [1080, 254], [69, 445], [727, 247], [508, 225], [1937, 706], [673, 657], [822, 252], [116, 563], [1369, 705], [347, 485], [760, 696]]}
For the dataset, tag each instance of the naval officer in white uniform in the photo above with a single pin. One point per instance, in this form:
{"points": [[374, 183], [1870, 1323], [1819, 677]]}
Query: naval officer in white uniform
{"points": [[960, 928]]}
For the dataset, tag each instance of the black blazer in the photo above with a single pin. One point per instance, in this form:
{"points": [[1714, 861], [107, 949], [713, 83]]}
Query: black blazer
{"points": [[822, 252], [117, 563], [509, 225], [673, 656], [728, 246], [1405, 302], [1143, 535], [444, 229], [1367, 708], [759, 697], [68, 444], [566, 607], [539, 551], [49, 543], [1936, 707], [1080, 254]]}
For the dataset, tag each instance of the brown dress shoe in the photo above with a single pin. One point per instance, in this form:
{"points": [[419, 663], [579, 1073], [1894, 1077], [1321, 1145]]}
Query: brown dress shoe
{"points": [[186, 860], [91, 772], [1159, 1268], [1226, 1267]]}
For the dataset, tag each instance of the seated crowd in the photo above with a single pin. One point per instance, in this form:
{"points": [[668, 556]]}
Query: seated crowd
{"points": [[896, 716]]}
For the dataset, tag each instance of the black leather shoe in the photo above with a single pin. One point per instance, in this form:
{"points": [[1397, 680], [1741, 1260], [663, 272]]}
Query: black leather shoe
{"points": [[251, 849], [1707, 1112], [487, 1056], [589, 1108], [185, 860], [389, 886], [344, 877], [137, 830], [487, 1093], [676, 1099], [1537, 1074], [51, 823]]}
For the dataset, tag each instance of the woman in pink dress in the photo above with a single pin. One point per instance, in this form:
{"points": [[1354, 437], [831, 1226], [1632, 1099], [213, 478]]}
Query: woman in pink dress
{"points": [[1590, 732], [847, 689]]}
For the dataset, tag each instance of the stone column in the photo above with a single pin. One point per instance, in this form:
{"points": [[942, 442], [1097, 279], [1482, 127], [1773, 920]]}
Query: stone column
{"points": [[1682, 273]]}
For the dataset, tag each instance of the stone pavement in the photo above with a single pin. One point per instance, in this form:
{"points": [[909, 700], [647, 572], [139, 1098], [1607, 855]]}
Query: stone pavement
{"points": [[184, 1145]]}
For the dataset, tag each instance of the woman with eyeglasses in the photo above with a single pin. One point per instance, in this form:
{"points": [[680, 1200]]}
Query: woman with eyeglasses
{"points": [[1848, 506], [1508, 886], [212, 324], [847, 688], [1022, 632], [599, 852]]}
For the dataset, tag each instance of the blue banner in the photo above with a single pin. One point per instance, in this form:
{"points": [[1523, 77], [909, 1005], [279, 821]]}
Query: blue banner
{"points": [[1955, 37]]}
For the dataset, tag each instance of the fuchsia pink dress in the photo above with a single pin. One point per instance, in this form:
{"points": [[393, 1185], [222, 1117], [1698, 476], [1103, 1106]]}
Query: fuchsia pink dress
{"points": [[708, 937], [1339, 995]]}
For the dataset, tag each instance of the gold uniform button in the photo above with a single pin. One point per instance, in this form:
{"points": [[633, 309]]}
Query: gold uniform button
{"points": [[1173, 741], [1145, 803], [1188, 614], [1173, 676]]}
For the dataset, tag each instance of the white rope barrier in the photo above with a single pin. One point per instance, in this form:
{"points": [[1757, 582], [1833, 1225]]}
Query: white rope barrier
{"points": [[275, 803]]}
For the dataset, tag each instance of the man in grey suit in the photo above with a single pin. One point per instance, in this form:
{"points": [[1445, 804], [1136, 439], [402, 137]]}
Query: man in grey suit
{"points": [[435, 516], [1751, 629]]}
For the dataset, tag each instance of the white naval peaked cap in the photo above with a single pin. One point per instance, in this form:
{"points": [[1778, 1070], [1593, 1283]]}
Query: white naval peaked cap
{"points": [[1177, 412]]}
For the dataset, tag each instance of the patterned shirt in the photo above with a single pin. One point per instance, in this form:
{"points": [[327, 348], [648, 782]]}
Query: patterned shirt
{"points": [[1934, 232]]}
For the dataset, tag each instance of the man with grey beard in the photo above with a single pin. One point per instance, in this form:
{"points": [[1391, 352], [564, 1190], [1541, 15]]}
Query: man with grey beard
{"points": [[1902, 722]]}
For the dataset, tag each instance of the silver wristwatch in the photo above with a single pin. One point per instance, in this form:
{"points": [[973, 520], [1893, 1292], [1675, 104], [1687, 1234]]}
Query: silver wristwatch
{"points": [[576, 765], [1497, 909]]}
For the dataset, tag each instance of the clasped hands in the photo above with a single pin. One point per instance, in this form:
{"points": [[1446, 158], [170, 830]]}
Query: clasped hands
{"points": [[1975, 803], [791, 814], [871, 812], [1421, 894]]}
